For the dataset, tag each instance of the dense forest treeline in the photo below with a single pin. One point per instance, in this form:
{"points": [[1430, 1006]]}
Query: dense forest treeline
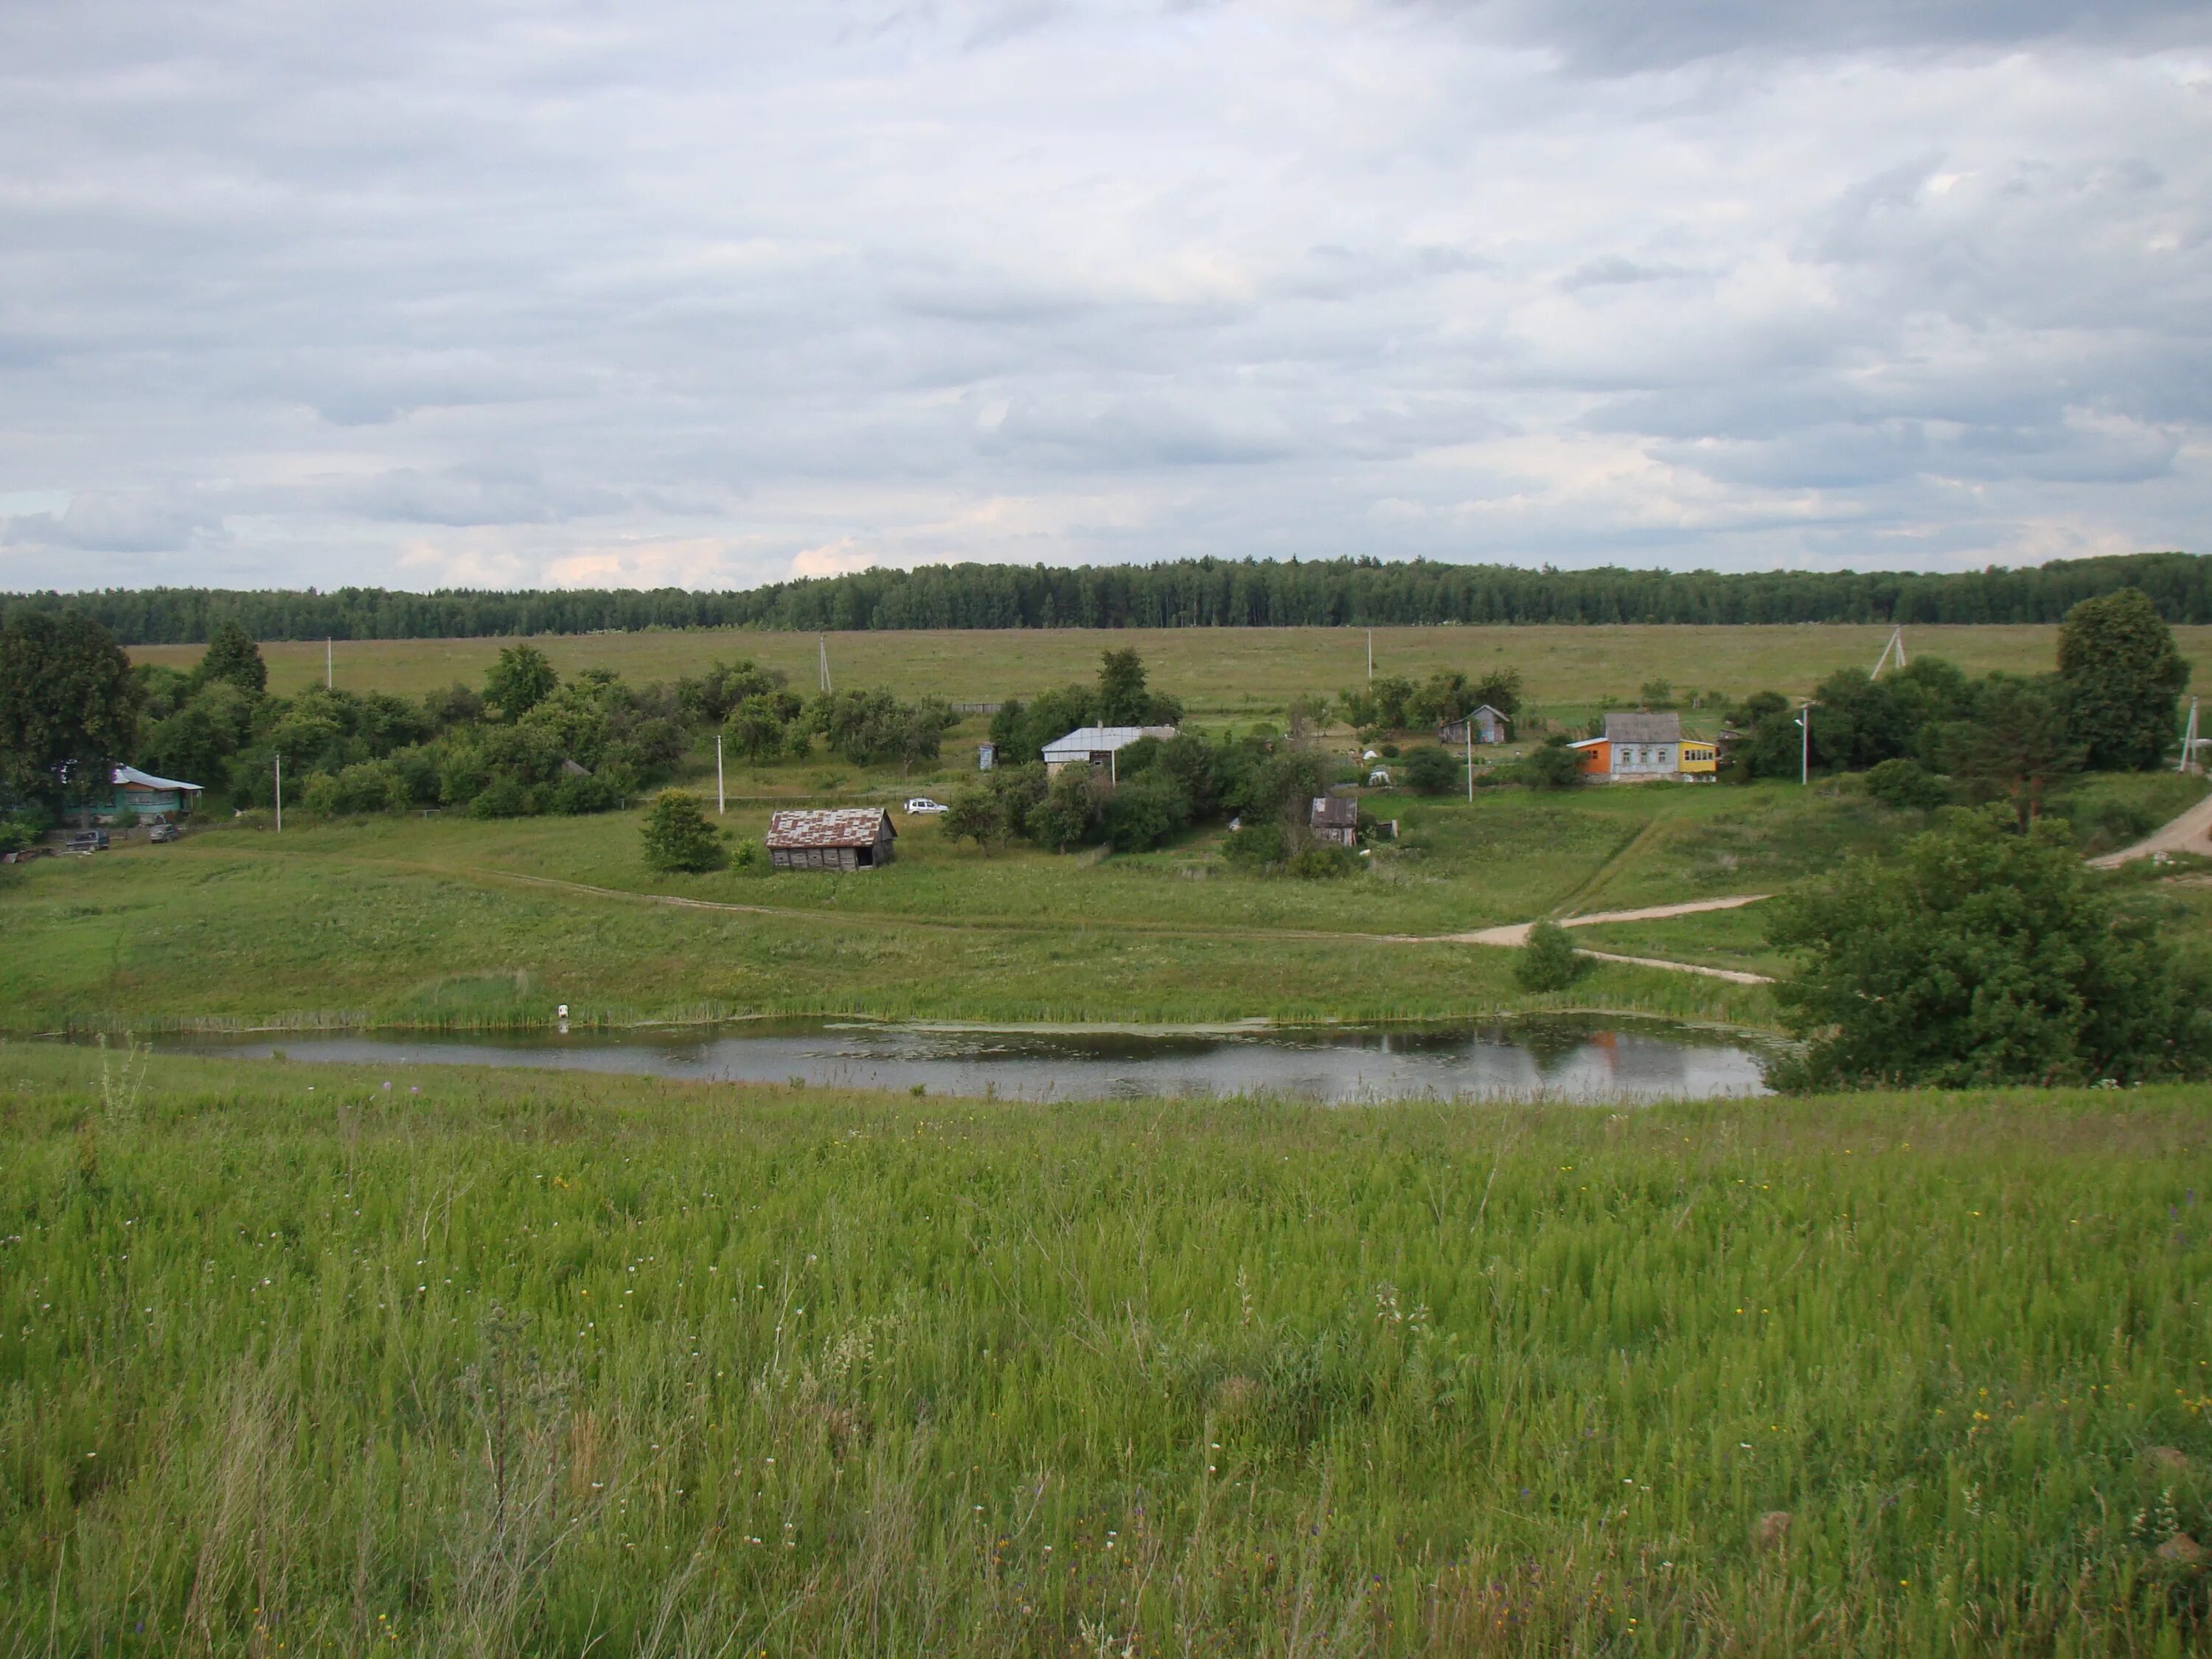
{"points": [[1187, 593]]}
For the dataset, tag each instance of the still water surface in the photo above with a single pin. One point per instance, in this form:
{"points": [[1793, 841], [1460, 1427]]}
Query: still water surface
{"points": [[1558, 1059]]}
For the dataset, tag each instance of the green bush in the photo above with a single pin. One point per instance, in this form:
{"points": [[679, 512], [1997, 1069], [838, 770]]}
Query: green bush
{"points": [[1553, 766], [1906, 784], [1253, 846], [1322, 862], [678, 835], [1984, 958], [1431, 771], [1549, 961]]}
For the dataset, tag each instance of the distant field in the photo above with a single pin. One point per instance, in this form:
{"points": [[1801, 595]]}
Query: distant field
{"points": [[1220, 672], [300, 1360]]}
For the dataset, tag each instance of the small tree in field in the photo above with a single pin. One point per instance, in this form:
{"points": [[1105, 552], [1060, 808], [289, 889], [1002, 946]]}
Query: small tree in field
{"points": [[1549, 961], [1433, 771], [677, 836]]}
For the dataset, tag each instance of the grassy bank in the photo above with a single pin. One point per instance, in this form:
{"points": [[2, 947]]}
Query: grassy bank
{"points": [[1219, 671], [237, 932], [290, 1361], [459, 922]]}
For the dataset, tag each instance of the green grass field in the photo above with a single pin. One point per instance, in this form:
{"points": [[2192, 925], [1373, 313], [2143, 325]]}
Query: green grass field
{"points": [[1221, 672], [454, 921], [294, 1363]]}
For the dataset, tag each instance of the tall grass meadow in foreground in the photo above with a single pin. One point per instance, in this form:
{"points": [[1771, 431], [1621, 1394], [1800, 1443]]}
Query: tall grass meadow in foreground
{"points": [[308, 1359]]}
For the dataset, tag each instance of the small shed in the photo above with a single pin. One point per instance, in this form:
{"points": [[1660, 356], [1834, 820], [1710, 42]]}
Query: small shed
{"points": [[1490, 727], [1335, 821], [839, 838]]}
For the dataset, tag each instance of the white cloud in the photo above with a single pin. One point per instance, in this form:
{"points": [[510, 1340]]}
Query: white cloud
{"points": [[686, 293]]}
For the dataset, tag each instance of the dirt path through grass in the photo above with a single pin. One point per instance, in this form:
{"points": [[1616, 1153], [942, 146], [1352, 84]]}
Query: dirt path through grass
{"points": [[1516, 933], [2189, 832]]}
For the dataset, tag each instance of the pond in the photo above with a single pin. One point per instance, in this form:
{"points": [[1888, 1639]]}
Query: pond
{"points": [[1553, 1058]]}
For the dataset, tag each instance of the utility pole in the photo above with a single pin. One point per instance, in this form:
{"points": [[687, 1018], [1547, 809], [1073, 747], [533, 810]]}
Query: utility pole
{"points": [[821, 641], [328, 670], [1470, 757], [1371, 656], [280, 794], [2188, 740], [1805, 751], [1895, 643], [721, 800]]}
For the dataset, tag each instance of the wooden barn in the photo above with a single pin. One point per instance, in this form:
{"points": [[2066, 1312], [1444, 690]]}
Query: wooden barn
{"points": [[839, 838], [1490, 727], [1334, 821]]}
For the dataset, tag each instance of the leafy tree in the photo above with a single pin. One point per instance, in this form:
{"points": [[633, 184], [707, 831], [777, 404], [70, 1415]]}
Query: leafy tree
{"points": [[456, 705], [1501, 689], [755, 729], [678, 835], [1657, 694], [1143, 811], [1906, 784], [232, 655], [1064, 817], [1756, 708], [2018, 742], [1434, 771], [2122, 679], [1553, 764], [69, 705], [1188, 760], [979, 816], [1548, 960], [520, 681], [1981, 958], [1391, 694], [1859, 721], [1122, 698], [197, 741], [161, 691], [1446, 695], [708, 700], [1018, 790]]}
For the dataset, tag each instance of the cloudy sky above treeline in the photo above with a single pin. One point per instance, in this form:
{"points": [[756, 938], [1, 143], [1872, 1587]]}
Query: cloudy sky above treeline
{"points": [[714, 294]]}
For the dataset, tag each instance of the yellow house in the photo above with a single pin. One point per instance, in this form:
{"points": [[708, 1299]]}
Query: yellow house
{"points": [[1700, 760]]}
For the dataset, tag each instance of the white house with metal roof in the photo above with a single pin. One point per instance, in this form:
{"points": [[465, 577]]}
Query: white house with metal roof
{"points": [[1097, 745]]}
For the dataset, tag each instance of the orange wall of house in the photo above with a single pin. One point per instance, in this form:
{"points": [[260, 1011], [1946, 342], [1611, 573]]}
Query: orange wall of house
{"points": [[1597, 759]]}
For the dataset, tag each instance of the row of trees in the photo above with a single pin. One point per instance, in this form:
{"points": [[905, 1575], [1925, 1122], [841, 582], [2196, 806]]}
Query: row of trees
{"points": [[1121, 696], [2112, 705], [526, 741], [1184, 593], [1392, 702]]}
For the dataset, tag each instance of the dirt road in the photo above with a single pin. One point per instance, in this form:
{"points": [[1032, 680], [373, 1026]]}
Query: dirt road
{"points": [[2192, 832], [1517, 933]]}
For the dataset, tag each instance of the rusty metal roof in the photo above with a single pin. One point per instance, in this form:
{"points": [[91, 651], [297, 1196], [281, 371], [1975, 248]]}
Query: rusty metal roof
{"points": [[835, 826]]}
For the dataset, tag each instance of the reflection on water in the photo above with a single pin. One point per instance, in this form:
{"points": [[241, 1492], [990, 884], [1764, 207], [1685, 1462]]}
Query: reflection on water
{"points": [[1556, 1058]]}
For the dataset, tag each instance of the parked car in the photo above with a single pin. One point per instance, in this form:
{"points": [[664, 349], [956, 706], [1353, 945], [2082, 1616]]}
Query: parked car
{"points": [[165, 831], [923, 804], [87, 840]]}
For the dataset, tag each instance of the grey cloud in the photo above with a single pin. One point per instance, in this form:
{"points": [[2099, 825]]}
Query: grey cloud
{"points": [[134, 521], [1598, 37], [408, 295], [1613, 269]]}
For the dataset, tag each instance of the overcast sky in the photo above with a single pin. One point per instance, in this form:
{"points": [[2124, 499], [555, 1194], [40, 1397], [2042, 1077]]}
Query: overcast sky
{"points": [[627, 294]]}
